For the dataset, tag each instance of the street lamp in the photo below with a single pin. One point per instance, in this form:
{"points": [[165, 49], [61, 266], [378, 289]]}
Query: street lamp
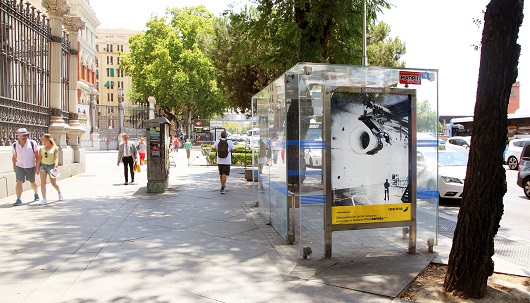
{"points": [[92, 93], [120, 94]]}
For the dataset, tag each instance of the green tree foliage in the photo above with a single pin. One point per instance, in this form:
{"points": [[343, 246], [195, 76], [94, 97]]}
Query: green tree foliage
{"points": [[257, 44], [426, 119], [170, 61], [382, 49], [232, 127]]}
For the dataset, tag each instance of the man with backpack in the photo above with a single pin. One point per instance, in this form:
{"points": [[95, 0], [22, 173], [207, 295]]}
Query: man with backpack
{"points": [[25, 163], [224, 148]]}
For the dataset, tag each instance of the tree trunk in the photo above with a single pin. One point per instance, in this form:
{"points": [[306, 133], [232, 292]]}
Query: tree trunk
{"points": [[470, 262], [188, 123]]}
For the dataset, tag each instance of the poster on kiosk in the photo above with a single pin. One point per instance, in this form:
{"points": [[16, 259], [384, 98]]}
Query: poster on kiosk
{"points": [[371, 155]]}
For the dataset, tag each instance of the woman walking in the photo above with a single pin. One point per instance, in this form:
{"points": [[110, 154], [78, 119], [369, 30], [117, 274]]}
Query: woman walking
{"points": [[49, 157], [142, 149]]}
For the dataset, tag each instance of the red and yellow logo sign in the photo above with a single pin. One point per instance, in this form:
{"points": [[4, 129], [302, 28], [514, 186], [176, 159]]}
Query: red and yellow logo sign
{"points": [[409, 77]]}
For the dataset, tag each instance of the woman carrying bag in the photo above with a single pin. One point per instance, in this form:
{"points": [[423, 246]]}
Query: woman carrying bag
{"points": [[49, 158]]}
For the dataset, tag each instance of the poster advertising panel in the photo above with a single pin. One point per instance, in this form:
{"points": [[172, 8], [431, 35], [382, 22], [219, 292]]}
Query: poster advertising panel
{"points": [[371, 158]]}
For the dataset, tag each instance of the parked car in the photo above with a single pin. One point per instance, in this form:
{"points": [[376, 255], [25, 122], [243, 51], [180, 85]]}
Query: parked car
{"points": [[313, 157], [460, 144], [452, 167], [523, 177], [513, 153]]}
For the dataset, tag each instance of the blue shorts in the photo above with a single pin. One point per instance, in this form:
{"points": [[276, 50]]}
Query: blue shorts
{"points": [[46, 167], [23, 174]]}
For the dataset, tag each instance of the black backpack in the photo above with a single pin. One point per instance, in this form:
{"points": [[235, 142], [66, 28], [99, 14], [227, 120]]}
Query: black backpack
{"points": [[222, 149]]}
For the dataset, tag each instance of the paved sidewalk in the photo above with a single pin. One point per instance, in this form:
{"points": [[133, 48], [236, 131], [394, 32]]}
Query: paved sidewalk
{"points": [[113, 243]]}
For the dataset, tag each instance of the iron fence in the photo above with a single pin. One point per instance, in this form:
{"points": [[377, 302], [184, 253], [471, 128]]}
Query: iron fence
{"points": [[134, 119], [133, 124], [24, 84], [65, 70], [108, 121]]}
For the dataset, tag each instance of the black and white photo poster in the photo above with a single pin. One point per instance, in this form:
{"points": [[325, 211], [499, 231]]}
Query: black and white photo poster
{"points": [[370, 157]]}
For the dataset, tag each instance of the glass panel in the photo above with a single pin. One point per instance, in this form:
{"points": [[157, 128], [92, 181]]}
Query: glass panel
{"points": [[428, 130], [311, 195], [258, 137], [268, 141], [277, 168]]}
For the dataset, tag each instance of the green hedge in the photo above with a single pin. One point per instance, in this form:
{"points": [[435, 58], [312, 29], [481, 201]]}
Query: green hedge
{"points": [[238, 158]]}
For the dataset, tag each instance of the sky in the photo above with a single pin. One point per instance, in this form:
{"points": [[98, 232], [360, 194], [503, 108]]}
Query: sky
{"points": [[438, 35]]}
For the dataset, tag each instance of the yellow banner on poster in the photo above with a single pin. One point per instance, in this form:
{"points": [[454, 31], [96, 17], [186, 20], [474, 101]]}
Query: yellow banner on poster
{"points": [[371, 213]]}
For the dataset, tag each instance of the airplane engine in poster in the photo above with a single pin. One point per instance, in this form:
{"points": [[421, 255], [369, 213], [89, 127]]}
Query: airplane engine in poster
{"points": [[370, 156]]}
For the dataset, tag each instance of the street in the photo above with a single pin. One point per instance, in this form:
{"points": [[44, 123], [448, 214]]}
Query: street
{"points": [[512, 242]]}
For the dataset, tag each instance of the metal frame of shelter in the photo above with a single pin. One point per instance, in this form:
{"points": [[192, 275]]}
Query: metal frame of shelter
{"points": [[293, 108], [329, 227]]}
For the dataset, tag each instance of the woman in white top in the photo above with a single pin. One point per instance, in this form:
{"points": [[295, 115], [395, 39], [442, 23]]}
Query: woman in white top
{"points": [[142, 149], [49, 158]]}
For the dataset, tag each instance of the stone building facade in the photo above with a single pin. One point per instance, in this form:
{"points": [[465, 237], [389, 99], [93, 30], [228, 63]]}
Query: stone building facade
{"points": [[39, 66]]}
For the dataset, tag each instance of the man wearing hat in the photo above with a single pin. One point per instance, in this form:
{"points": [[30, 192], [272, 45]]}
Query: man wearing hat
{"points": [[25, 163]]}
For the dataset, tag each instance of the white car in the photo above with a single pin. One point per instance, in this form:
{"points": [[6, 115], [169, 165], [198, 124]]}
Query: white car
{"points": [[452, 168], [513, 153], [459, 144], [313, 157]]}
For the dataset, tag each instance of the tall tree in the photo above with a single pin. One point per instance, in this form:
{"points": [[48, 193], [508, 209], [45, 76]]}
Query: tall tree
{"points": [[170, 61], [426, 118], [261, 43], [470, 262], [382, 49]]}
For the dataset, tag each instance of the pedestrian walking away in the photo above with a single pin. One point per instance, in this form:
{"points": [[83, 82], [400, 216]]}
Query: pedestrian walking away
{"points": [[187, 145], [224, 148], [387, 185], [142, 149], [25, 163], [128, 154], [49, 159]]}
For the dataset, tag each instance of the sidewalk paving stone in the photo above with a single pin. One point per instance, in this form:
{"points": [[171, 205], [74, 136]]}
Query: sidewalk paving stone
{"points": [[108, 242]]}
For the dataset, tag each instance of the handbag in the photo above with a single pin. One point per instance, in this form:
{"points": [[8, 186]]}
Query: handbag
{"points": [[137, 167]]}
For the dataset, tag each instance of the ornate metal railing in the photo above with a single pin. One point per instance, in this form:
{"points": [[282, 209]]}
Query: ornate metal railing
{"points": [[25, 36], [134, 119], [65, 82], [108, 122], [15, 114], [134, 116]]}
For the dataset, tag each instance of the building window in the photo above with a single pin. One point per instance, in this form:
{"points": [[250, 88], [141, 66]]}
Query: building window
{"points": [[118, 60], [110, 60], [97, 47], [97, 62], [111, 96]]}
